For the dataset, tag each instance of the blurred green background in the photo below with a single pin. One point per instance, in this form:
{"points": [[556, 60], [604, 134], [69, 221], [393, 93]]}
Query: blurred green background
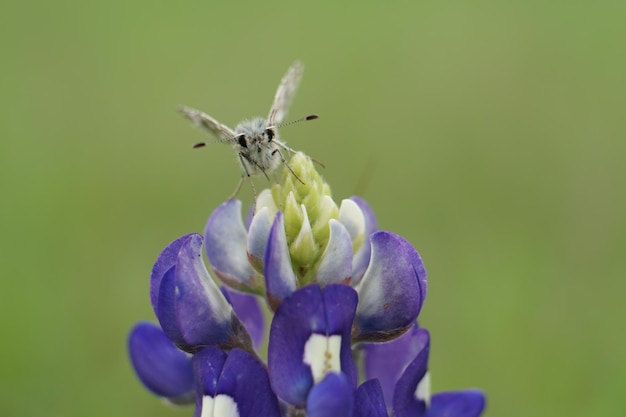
{"points": [[490, 134]]}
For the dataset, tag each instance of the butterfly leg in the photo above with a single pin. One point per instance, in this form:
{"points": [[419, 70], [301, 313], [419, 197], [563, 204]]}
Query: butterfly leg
{"points": [[282, 158], [234, 194], [291, 150], [243, 159]]}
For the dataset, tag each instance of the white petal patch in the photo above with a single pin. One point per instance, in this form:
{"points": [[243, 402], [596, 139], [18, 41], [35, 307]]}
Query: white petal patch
{"points": [[265, 199], [422, 392], [351, 216], [259, 231], [220, 406], [335, 264], [371, 288], [321, 353]]}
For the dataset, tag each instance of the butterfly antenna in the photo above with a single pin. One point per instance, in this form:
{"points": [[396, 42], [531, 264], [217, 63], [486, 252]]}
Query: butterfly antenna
{"points": [[203, 144], [303, 119], [282, 145]]}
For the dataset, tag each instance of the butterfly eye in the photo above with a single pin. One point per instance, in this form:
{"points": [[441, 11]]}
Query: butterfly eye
{"points": [[269, 133], [242, 141]]}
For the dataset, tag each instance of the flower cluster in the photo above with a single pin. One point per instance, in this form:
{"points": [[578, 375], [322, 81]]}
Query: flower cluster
{"points": [[343, 298]]}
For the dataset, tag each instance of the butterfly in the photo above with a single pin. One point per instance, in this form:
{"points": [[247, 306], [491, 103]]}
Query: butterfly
{"points": [[256, 141]]}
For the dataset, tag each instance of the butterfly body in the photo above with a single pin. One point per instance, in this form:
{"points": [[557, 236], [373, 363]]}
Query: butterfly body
{"points": [[257, 145]]}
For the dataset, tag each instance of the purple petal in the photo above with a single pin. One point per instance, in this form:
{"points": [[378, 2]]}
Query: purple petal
{"points": [[167, 309], [249, 311], [226, 247], [336, 262], [386, 361], [207, 368], [160, 366], [249, 216], [192, 310], [258, 235], [246, 379], [239, 378], [280, 280], [393, 288], [369, 400], [165, 261], [309, 310], [466, 403], [362, 257], [405, 401], [333, 396], [340, 303]]}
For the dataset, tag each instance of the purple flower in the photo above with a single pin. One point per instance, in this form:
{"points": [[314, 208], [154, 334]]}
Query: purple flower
{"points": [[386, 361], [392, 290], [384, 268], [226, 248], [190, 307], [310, 339], [316, 252], [232, 384], [333, 283], [401, 368], [160, 366]]}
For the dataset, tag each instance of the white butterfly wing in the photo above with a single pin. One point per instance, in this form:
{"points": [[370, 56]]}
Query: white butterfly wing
{"points": [[206, 122], [285, 93]]}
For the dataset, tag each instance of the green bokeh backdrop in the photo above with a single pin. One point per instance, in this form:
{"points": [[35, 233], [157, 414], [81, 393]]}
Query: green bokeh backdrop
{"points": [[490, 134]]}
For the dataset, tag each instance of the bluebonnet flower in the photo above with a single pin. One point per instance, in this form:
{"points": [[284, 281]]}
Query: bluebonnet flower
{"points": [[162, 368], [344, 299], [400, 368]]}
